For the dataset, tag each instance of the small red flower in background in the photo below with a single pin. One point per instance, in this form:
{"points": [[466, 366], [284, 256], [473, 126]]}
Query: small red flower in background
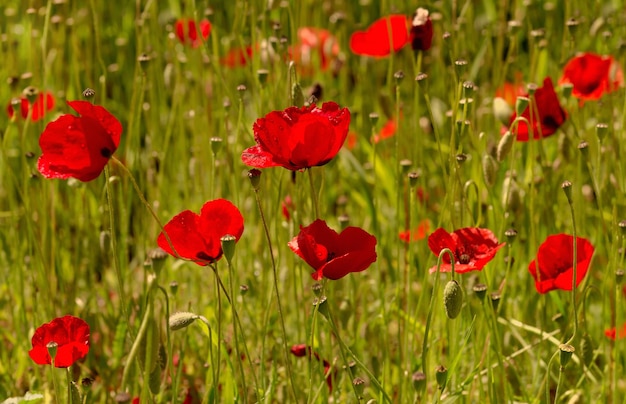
{"points": [[421, 35], [287, 207], [71, 335], [551, 114], [473, 248], [387, 131], [612, 333], [509, 91], [187, 31], [416, 234], [334, 255], [314, 43], [238, 57], [44, 103], [198, 237], [300, 350], [554, 266], [79, 146], [376, 40], [298, 138], [592, 75]]}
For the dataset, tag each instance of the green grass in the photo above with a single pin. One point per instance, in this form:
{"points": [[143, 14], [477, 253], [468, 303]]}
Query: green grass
{"points": [[57, 255]]}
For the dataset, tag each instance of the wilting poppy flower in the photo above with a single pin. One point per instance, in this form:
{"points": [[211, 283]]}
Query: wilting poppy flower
{"points": [[416, 234], [44, 103], [551, 114], [314, 44], [71, 336], [612, 333], [592, 75], [187, 31], [421, 35], [79, 146], [298, 138], [300, 350], [377, 41], [198, 237], [334, 255], [472, 247], [554, 266]]}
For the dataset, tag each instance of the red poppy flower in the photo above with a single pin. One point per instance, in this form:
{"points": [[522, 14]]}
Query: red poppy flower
{"points": [[79, 146], [554, 266], [334, 255], [592, 75], [300, 350], [421, 35], [44, 103], [287, 207], [387, 131], [509, 91], [376, 41], [551, 114], [298, 138], [71, 335], [187, 31], [198, 237], [472, 247], [416, 234], [314, 44], [238, 57], [612, 333]]}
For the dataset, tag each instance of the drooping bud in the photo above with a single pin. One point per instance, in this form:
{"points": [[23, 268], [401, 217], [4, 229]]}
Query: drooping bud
{"points": [[181, 320], [452, 299]]}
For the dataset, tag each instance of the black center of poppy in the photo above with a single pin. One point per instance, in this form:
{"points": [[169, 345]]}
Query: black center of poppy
{"points": [[464, 259], [330, 256], [106, 153]]}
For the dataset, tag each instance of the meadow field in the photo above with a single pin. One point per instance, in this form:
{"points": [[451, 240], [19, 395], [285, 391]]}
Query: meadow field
{"points": [[303, 201]]}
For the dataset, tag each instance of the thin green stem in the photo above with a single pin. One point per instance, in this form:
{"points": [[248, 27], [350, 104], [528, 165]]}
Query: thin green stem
{"points": [[574, 270], [231, 274]]}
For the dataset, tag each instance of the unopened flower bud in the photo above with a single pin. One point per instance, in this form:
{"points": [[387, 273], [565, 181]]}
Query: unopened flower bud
{"points": [[505, 145], [489, 170], [521, 104], [452, 299], [441, 374], [181, 320], [255, 178]]}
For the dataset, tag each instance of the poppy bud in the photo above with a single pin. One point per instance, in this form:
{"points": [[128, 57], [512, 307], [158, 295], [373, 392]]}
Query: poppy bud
{"points": [[228, 246], [297, 98], [452, 299], [481, 290], [489, 170], [419, 381], [502, 110], [521, 104], [156, 258], [441, 374], [586, 348], [495, 300], [512, 194], [505, 145], [566, 352], [181, 320], [173, 287]]}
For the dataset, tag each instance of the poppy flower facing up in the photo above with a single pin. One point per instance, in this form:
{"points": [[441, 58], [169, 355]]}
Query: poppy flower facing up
{"points": [[298, 138], [377, 41], [44, 103], [198, 237], [554, 266], [472, 247], [592, 76], [71, 336], [314, 44], [79, 146], [187, 31], [421, 35], [334, 255], [551, 114]]}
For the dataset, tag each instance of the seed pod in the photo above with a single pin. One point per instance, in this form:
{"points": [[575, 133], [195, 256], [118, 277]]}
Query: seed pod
{"points": [[452, 299], [489, 170], [181, 320], [505, 145]]}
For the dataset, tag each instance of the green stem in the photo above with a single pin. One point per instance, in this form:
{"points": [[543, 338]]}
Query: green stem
{"points": [[231, 275], [574, 269], [313, 194]]}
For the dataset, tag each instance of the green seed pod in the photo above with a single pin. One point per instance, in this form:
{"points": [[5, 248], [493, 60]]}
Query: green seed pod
{"points": [[181, 320], [505, 145], [452, 299]]}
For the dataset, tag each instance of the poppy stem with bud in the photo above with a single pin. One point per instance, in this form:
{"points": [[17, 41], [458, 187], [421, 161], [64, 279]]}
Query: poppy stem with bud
{"points": [[567, 188]]}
